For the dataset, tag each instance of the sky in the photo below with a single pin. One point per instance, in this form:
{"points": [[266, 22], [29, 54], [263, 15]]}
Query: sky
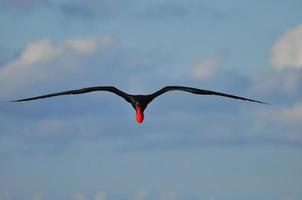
{"points": [[89, 147]]}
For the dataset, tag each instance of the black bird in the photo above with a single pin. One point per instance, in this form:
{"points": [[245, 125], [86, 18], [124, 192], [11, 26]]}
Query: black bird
{"points": [[139, 102]]}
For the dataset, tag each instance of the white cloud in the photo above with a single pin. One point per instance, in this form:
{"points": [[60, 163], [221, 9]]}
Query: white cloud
{"points": [[34, 52], [284, 76], [29, 66], [287, 50], [44, 60], [205, 68]]}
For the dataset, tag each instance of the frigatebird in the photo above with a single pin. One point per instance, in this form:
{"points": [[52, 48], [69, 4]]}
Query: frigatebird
{"points": [[139, 102]]}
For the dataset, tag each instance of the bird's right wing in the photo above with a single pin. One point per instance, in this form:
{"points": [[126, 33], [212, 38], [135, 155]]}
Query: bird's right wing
{"points": [[81, 91], [199, 92]]}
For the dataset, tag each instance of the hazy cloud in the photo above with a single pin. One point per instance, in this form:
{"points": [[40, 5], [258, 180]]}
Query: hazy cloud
{"points": [[290, 114], [279, 86], [4, 193], [37, 196], [78, 196], [141, 195], [205, 68], [91, 44], [101, 196], [168, 196], [281, 125]]}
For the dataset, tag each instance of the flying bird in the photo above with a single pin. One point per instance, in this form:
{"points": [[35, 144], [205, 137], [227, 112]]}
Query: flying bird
{"points": [[139, 102]]}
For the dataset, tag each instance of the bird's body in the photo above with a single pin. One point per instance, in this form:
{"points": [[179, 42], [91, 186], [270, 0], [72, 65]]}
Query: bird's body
{"points": [[139, 102]]}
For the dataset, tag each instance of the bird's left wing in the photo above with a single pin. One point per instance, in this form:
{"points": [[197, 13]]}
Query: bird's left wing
{"points": [[199, 92], [81, 91]]}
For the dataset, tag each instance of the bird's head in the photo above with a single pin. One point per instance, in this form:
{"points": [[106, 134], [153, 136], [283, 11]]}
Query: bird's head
{"points": [[139, 116]]}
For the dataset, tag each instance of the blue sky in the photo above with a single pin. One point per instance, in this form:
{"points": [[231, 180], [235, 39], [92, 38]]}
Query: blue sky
{"points": [[89, 147]]}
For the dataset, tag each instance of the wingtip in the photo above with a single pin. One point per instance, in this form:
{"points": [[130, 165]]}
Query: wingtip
{"points": [[15, 101], [263, 102]]}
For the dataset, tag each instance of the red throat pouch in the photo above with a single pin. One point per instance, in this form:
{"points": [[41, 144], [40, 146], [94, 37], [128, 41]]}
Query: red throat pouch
{"points": [[139, 114]]}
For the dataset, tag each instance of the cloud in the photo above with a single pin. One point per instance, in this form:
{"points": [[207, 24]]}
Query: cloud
{"points": [[287, 50], [279, 86], [29, 66], [45, 60], [205, 68], [279, 124], [291, 114], [91, 44], [284, 76], [35, 52]]}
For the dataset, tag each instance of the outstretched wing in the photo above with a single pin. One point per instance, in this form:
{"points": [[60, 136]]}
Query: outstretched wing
{"points": [[199, 92], [81, 91]]}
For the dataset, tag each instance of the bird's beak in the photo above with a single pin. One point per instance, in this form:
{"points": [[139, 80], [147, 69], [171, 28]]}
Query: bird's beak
{"points": [[139, 114]]}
